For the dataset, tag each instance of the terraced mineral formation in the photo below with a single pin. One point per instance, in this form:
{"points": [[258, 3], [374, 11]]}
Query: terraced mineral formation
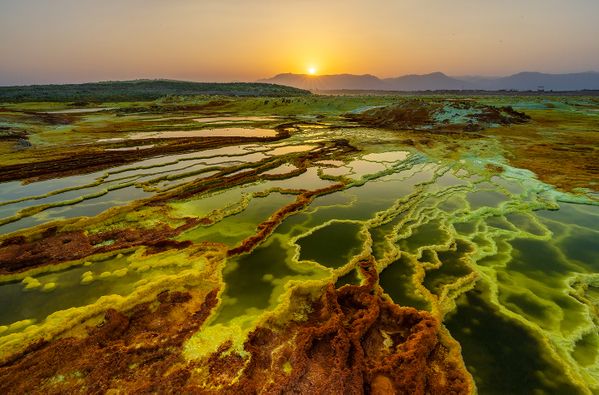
{"points": [[340, 256]]}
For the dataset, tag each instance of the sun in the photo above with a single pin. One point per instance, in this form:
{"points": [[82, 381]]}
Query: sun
{"points": [[311, 70]]}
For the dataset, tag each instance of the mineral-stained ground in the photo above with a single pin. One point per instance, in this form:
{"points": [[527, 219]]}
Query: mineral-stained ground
{"points": [[312, 244]]}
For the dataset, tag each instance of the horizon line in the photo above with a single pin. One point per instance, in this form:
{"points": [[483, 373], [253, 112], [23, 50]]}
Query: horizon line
{"points": [[261, 80]]}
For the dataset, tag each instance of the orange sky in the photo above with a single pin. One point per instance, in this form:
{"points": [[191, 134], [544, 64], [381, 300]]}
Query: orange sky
{"points": [[88, 40]]}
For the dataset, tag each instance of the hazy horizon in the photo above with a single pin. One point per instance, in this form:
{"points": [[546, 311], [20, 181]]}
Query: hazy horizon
{"points": [[68, 41]]}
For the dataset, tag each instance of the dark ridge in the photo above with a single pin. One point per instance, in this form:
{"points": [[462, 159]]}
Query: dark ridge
{"points": [[140, 90], [465, 93], [527, 81]]}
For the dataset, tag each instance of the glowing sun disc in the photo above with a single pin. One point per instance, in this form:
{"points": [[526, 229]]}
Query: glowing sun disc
{"points": [[312, 70]]}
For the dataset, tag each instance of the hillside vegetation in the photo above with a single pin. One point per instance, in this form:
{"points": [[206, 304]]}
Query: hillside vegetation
{"points": [[140, 90]]}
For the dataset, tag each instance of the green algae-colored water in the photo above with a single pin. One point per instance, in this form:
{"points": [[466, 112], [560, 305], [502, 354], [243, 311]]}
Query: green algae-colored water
{"points": [[508, 263]]}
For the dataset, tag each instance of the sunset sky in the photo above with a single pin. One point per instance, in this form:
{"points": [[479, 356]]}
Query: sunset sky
{"points": [[227, 40]]}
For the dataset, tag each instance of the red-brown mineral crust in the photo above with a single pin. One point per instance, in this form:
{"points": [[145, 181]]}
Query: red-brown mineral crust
{"points": [[136, 352], [22, 253], [353, 341]]}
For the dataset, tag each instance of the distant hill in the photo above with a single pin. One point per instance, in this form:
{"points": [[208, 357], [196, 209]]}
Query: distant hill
{"points": [[533, 81], [433, 81], [438, 81], [328, 82], [140, 90]]}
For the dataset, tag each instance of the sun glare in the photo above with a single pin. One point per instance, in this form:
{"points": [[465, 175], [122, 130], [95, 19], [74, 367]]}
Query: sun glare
{"points": [[311, 70]]}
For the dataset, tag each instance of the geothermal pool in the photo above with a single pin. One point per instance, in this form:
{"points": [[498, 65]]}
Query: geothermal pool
{"points": [[508, 264]]}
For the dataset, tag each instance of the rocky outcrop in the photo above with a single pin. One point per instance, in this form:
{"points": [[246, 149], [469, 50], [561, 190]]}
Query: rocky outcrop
{"points": [[438, 115]]}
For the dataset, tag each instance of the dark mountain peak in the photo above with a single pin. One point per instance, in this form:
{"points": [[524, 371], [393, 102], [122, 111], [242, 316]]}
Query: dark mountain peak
{"points": [[437, 74], [328, 82], [284, 75], [354, 75], [527, 74]]}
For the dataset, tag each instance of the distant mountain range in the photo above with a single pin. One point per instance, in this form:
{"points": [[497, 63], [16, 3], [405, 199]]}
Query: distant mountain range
{"points": [[438, 81]]}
